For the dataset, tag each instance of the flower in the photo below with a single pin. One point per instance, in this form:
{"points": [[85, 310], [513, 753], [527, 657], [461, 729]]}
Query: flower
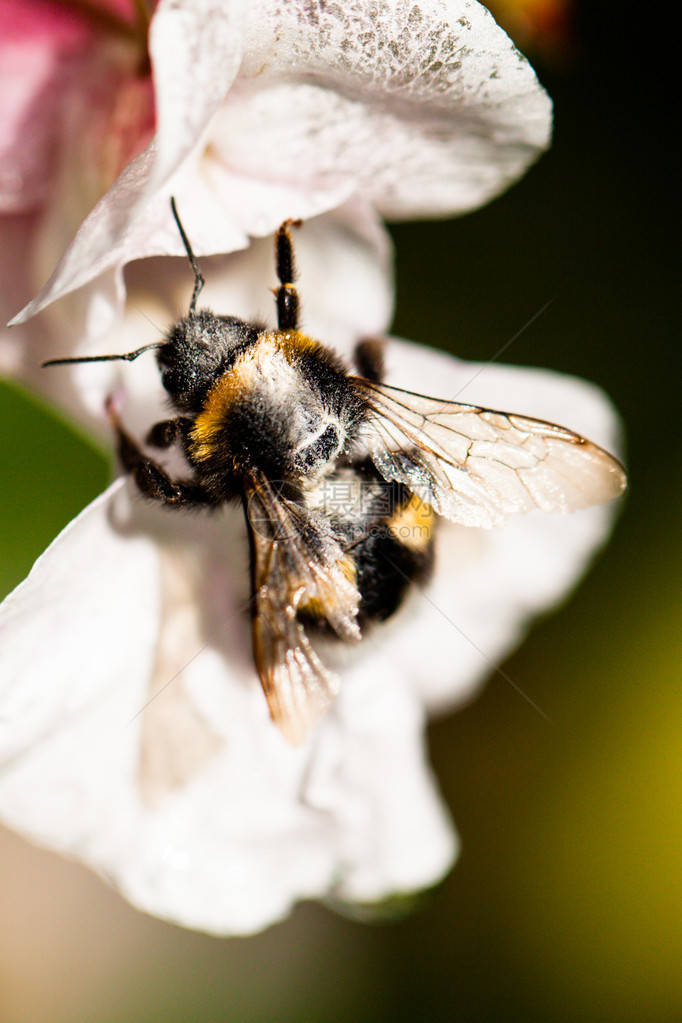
{"points": [[136, 736], [133, 731]]}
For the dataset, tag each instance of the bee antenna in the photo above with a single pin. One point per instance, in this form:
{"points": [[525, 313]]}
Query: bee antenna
{"points": [[126, 357], [198, 279]]}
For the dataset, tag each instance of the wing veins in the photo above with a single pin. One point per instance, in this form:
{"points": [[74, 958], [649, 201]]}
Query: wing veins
{"points": [[296, 558], [480, 479]]}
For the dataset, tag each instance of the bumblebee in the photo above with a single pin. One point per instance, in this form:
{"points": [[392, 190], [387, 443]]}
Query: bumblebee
{"points": [[342, 478]]}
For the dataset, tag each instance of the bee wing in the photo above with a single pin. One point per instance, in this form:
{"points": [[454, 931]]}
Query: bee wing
{"points": [[297, 566], [476, 466]]}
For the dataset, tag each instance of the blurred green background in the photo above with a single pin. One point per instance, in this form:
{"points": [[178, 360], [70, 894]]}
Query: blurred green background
{"points": [[566, 903]]}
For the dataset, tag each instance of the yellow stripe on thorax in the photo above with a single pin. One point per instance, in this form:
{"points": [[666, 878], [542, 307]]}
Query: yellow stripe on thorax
{"points": [[252, 366]]}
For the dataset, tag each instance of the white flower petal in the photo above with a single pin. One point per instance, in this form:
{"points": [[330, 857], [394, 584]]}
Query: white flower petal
{"points": [[422, 109], [355, 813], [156, 762], [78, 639], [397, 835], [416, 110], [124, 226], [90, 626], [195, 49]]}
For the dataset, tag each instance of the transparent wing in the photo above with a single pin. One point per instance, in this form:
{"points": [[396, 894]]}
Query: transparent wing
{"points": [[298, 566], [476, 466]]}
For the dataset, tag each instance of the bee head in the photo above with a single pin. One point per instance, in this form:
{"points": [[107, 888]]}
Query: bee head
{"points": [[198, 349]]}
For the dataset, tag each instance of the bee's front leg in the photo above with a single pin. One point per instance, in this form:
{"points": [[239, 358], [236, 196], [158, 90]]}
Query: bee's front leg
{"points": [[165, 433], [151, 479]]}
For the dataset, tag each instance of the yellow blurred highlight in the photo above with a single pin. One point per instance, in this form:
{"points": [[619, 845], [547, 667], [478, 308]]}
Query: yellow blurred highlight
{"points": [[606, 920]]}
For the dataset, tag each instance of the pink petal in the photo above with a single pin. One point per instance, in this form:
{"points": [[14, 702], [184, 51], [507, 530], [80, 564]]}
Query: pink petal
{"points": [[43, 62]]}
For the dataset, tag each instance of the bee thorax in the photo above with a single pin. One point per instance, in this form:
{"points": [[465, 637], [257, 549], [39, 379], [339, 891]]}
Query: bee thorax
{"points": [[319, 448]]}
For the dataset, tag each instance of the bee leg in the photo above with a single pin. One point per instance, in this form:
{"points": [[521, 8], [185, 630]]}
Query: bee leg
{"points": [[165, 433], [369, 358], [286, 294], [151, 479]]}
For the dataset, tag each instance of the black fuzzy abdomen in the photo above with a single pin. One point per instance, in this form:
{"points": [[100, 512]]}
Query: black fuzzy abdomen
{"points": [[388, 533], [387, 569]]}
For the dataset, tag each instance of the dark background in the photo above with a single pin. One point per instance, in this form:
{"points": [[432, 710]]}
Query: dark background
{"points": [[566, 903]]}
